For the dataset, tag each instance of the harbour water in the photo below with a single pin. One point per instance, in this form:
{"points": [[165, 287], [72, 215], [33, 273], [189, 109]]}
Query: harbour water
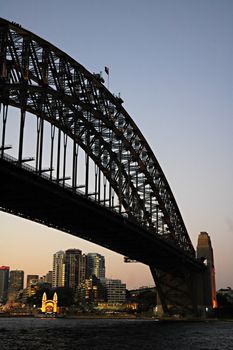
{"points": [[111, 334]]}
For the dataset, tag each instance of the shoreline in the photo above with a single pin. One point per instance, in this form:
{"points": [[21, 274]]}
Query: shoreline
{"points": [[112, 317]]}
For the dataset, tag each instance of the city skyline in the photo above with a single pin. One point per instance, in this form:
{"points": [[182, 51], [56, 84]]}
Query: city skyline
{"points": [[98, 268], [171, 62], [77, 278], [74, 274]]}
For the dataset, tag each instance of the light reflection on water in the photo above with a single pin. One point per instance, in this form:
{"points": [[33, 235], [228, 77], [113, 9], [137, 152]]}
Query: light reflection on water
{"points": [[80, 334]]}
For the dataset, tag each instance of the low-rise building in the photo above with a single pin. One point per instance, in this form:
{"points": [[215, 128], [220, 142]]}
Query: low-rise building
{"points": [[116, 291]]}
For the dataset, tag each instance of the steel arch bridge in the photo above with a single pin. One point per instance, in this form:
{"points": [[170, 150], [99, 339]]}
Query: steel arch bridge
{"points": [[124, 189]]}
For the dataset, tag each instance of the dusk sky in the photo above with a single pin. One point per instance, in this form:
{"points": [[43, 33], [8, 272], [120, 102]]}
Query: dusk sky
{"points": [[171, 61]]}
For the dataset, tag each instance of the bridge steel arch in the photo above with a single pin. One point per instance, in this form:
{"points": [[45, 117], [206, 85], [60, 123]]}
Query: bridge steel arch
{"points": [[39, 78]]}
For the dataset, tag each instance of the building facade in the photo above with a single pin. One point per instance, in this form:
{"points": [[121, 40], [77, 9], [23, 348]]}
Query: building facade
{"points": [[4, 283], [95, 265], [73, 261], [31, 279], [16, 284], [83, 268], [116, 291], [58, 274], [49, 277]]}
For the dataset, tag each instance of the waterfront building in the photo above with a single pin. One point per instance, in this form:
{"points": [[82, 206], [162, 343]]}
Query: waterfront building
{"points": [[31, 279], [49, 306], [91, 291], [83, 268], [15, 284], [31, 286], [95, 265], [72, 268], [94, 290], [73, 261], [49, 277], [116, 291], [4, 283], [58, 274]]}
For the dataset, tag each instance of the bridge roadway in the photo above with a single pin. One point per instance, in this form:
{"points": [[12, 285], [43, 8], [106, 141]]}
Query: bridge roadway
{"points": [[26, 194]]}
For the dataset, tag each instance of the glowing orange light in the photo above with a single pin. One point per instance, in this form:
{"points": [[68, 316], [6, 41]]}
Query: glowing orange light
{"points": [[214, 303]]}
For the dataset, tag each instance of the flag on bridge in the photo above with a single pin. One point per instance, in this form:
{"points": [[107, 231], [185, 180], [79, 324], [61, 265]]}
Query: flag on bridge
{"points": [[106, 70]]}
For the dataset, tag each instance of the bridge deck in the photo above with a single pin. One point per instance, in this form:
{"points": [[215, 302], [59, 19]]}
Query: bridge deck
{"points": [[28, 195]]}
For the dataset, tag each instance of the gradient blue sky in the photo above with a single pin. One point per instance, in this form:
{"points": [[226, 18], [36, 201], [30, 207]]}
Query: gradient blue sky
{"points": [[171, 60]]}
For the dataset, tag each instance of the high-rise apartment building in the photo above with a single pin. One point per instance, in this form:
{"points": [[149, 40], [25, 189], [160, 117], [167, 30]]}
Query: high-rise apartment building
{"points": [[58, 275], [83, 268], [16, 284], [95, 265], [69, 268], [4, 283], [73, 268]]}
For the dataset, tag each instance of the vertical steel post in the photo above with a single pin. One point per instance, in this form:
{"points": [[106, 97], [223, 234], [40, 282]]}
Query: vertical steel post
{"points": [[87, 175], [136, 199], [120, 177], [151, 208], [128, 184], [51, 152], [110, 188], [87, 164], [64, 158], [4, 116], [96, 180], [58, 154], [99, 184], [104, 180], [38, 142], [75, 156], [157, 218], [21, 134], [144, 201], [41, 144], [74, 168]]}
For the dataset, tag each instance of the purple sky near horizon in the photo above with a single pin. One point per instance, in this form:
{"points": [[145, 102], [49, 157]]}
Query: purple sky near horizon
{"points": [[172, 63]]}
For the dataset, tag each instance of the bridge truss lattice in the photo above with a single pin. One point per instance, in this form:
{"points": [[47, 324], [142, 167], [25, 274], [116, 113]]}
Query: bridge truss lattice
{"points": [[38, 78]]}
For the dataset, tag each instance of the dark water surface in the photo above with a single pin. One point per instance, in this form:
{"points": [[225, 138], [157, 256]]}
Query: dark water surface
{"points": [[80, 334]]}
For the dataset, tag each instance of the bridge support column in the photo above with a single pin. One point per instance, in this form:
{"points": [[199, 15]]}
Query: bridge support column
{"points": [[176, 293], [205, 254], [186, 292]]}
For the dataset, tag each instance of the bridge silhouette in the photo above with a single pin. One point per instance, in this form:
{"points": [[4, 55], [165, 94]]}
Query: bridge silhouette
{"points": [[72, 158]]}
